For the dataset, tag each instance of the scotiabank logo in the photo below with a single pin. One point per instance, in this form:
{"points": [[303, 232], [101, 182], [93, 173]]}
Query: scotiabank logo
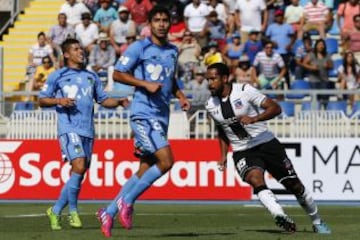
{"points": [[7, 172], [40, 172]]}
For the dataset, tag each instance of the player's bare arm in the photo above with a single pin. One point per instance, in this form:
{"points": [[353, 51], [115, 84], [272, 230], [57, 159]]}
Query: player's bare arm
{"points": [[49, 102], [127, 78], [272, 109], [114, 102]]}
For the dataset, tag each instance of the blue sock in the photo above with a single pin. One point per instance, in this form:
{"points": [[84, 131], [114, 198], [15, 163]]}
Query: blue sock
{"points": [[73, 190], [62, 200], [150, 176], [112, 209]]}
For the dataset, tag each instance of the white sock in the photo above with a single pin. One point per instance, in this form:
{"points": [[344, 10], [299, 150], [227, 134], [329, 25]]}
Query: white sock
{"points": [[307, 203], [269, 200]]}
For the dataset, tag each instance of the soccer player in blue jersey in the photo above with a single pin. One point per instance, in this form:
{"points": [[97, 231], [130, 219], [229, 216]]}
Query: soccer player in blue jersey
{"points": [[72, 90], [148, 65]]}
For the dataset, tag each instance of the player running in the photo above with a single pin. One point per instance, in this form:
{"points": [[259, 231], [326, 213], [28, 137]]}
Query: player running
{"points": [[72, 90], [239, 111], [149, 65]]}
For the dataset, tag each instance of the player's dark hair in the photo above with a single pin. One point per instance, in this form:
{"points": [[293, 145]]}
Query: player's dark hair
{"points": [[159, 9], [67, 43], [41, 34], [221, 68]]}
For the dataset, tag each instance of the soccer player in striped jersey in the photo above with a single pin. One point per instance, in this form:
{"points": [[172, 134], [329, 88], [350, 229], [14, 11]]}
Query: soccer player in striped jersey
{"points": [[72, 91], [239, 111], [148, 65]]}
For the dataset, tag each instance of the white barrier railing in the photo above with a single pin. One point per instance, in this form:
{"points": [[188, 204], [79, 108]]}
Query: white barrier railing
{"points": [[115, 125]]}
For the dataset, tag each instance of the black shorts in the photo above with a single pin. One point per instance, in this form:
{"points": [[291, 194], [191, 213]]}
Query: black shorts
{"points": [[270, 156]]}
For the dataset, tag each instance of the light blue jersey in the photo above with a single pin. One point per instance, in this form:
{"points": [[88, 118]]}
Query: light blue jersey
{"points": [[84, 87], [153, 63]]}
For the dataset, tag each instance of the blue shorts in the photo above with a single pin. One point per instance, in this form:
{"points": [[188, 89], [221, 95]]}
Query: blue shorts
{"points": [[150, 135], [74, 146]]}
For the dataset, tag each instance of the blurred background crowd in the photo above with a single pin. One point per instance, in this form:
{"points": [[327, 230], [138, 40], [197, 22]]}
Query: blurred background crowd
{"points": [[270, 44]]}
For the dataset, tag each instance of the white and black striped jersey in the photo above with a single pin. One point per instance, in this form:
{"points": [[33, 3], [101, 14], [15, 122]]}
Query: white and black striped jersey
{"points": [[244, 100]]}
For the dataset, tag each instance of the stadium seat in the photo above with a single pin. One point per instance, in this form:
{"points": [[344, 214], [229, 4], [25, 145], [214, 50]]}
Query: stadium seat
{"points": [[333, 73], [332, 45], [301, 85], [306, 106], [288, 108], [337, 105], [24, 106]]}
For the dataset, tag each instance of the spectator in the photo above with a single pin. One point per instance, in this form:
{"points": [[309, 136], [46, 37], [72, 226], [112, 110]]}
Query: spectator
{"points": [[189, 55], [41, 74], [220, 9], [92, 5], [73, 10], [102, 59], [87, 32], [230, 6], [354, 38], [244, 72], [105, 15], [195, 14], [139, 10], [36, 53], [251, 15], [177, 29], [253, 45], [130, 38], [58, 33], [199, 91], [271, 68], [300, 55], [315, 17], [318, 63], [215, 29], [272, 6], [294, 15], [213, 55], [233, 51], [349, 75], [145, 32], [120, 28], [283, 38], [347, 11]]}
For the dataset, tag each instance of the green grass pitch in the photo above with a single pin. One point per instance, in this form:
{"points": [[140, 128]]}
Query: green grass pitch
{"points": [[179, 221]]}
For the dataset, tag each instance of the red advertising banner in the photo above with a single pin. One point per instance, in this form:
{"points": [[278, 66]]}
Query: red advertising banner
{"points": [[34, 170]]}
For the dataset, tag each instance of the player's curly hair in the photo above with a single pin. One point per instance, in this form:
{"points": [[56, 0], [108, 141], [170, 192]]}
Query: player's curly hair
{"points": [[222, 68]]}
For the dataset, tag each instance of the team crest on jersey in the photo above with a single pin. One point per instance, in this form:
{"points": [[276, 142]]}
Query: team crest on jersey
{"points": [[124, 60], [154, 71], [90, 80], [238, 104], [78, 80]]}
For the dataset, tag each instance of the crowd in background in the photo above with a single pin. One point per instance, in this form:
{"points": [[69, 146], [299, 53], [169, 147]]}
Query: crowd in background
{"points": [[267, 43]]}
